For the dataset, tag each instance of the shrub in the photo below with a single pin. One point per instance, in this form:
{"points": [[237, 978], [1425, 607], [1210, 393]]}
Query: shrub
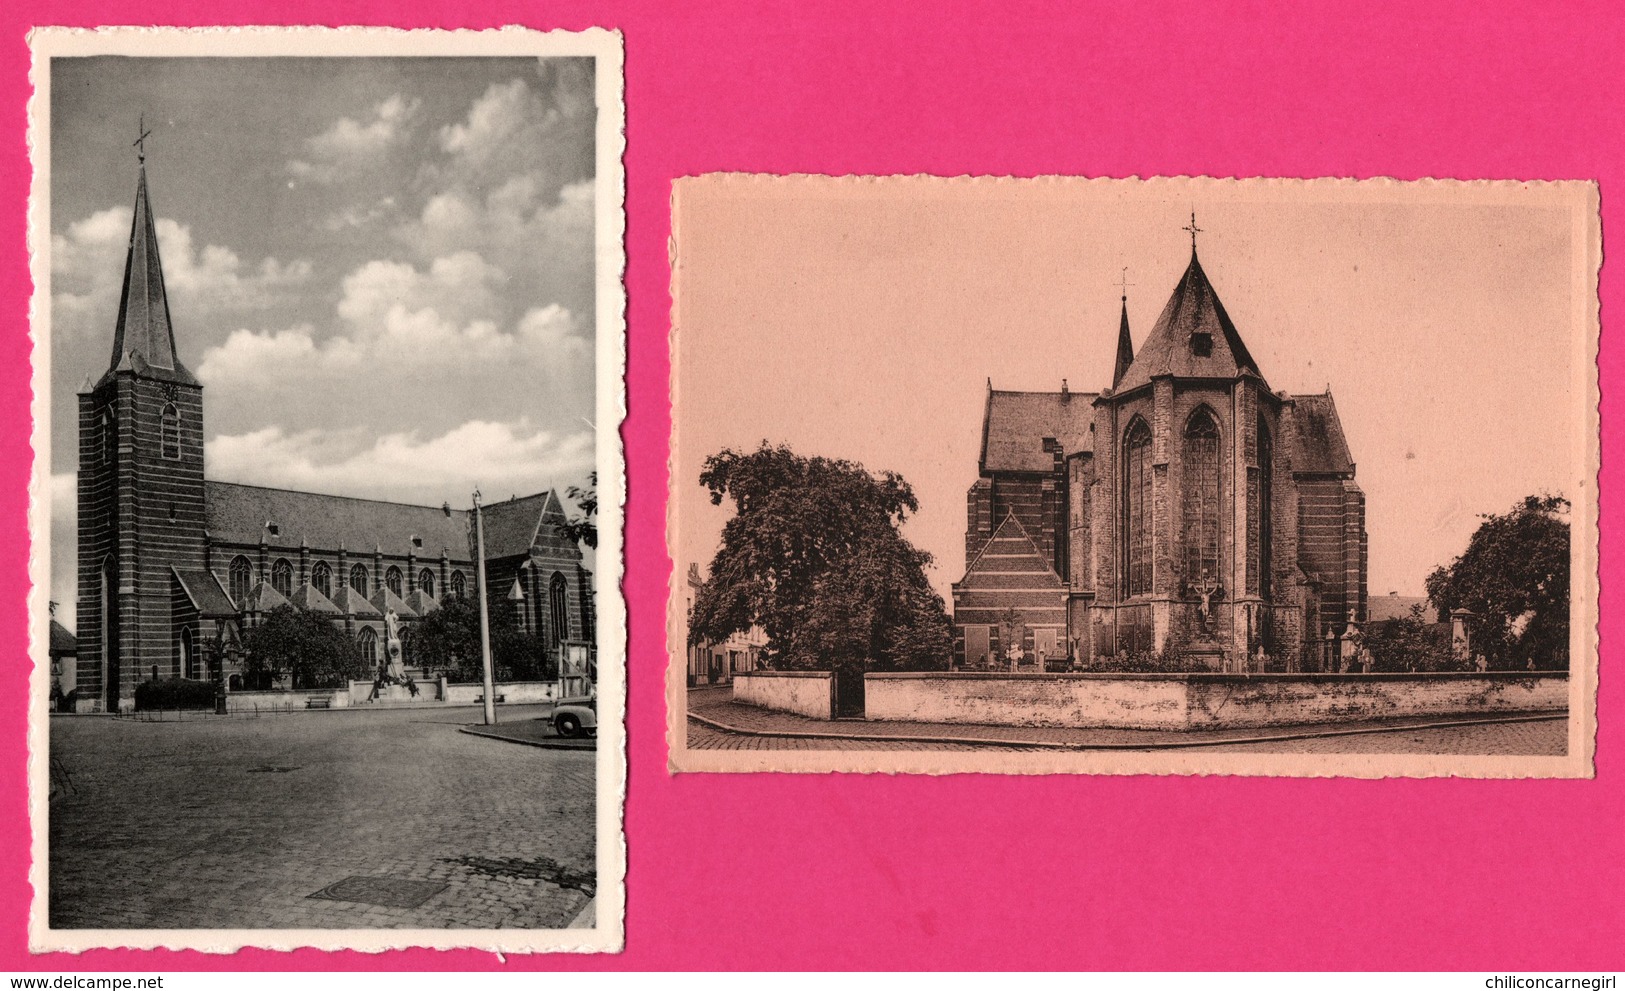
{"points": [[174, 693], [1170, 661]]}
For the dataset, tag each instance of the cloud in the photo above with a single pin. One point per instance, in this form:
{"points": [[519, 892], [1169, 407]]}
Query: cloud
{"points": [[87, 273], [349, 147], [501, 457]]}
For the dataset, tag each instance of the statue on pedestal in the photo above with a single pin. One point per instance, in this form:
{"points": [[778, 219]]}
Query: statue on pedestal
{"points": [[1207, 589]]}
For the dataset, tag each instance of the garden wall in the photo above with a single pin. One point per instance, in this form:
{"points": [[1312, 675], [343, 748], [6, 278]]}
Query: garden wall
{"points": [[1201, 701], [803, 692]]}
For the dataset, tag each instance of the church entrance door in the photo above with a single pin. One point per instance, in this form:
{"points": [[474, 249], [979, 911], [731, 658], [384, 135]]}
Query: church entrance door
{"points": [[847, 684]]}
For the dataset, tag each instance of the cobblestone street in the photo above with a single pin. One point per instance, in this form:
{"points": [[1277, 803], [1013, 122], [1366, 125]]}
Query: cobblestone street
{"points": [[1537, 736], [233, 822]]}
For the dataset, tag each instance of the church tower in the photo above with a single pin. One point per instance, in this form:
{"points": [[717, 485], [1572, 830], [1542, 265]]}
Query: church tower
{"points": [[140, 486]]}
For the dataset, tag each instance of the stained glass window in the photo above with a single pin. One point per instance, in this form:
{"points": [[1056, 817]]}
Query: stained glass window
{"points": [[1137, 506], [1201, 489]]}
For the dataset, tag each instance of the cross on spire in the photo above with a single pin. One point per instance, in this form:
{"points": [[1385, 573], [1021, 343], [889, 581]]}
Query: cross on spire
{"points": [[1123, 283], [1195, 230], [140, 143]]}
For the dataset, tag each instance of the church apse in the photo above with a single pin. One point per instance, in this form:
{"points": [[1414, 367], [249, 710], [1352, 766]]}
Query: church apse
{"points": [[1188, 511]]}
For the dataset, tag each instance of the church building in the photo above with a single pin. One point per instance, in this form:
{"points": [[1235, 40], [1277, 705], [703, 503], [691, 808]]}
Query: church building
{"points": [[169, 561], [1188, 508]]}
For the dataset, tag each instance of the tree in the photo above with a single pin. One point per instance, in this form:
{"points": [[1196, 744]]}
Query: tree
{"points": [[583, 527], [447, 640], [1409, 643], [304, 647], [1515, 576], [814, 556]]}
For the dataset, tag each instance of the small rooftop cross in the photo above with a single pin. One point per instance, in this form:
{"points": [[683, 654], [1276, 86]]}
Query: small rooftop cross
{"points": [[1195, 230], [1123, 283], [140, 143]]}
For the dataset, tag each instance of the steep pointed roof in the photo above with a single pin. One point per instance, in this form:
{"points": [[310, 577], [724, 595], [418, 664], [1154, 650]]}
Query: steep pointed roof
{"points": [[1318, 444], [384, 600], [1125, 348], [353, 603], [307, 598], [1193, 308], [1015, 425], [1017, 555], [262, 598], [143, 338]]}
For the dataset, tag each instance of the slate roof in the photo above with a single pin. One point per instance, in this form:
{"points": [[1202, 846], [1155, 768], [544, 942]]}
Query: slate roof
{"points": [[353, 603], [238, 513], [1319, 445], [143, 338], [1194, 306], [1125, 348], [63, 643], [263, 598], [384, 600], [1015, 424], [310, 599], [208, 597], [421, 603], [511, 527]]}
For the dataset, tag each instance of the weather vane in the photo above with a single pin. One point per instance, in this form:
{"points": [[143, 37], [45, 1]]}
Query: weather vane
{"points": [[1195, 230], [1123, 283], [140, 143]]}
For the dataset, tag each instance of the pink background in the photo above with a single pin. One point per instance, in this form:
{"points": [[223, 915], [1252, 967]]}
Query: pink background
{"points": [[966, 872]]}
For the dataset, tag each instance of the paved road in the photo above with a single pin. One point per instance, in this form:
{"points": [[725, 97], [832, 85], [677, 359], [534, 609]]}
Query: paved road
{"points": [[1531, 738], [233, 822]]}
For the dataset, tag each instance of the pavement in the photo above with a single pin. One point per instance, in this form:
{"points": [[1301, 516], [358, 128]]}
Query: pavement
{"points": [[234, 822], [716, 722]]}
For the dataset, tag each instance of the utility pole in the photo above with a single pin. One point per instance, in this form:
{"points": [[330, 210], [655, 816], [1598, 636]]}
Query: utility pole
{"points": [[485, 619]]}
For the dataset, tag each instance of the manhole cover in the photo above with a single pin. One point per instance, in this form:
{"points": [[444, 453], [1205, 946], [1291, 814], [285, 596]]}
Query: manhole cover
{"points": [[391, 892], [271, 769]]}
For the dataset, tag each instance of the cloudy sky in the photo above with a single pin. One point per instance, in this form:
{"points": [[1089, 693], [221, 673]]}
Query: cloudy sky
{"points": [[380, 268], [863, 320]]}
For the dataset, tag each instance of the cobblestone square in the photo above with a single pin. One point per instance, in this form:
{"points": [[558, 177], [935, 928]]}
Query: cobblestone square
{"points": [[216, 822]]}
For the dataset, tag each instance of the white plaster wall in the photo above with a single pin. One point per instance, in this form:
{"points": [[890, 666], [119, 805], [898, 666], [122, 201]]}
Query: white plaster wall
{"points": [[1031, 700], [802, 692], [1288, 701]]}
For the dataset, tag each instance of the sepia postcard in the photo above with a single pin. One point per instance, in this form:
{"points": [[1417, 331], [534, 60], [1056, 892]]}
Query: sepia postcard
{"points": [[327, 631], [1183, 475]]}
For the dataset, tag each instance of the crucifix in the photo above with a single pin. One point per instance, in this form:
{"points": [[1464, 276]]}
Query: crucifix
{"points": [[1195, 230], [1123, 283], [1207, 588], [140, 143]]}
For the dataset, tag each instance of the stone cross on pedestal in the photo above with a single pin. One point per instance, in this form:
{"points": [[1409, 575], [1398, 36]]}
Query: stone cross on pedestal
{"points": [[1207, 588]]}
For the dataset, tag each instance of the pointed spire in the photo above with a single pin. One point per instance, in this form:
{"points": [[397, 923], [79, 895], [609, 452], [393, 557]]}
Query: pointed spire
{"points": [[1125, 343], [143, 334]]}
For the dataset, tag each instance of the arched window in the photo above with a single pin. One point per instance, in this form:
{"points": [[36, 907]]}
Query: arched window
{"points": [[392, 578], [367, 641], [109, 437], [188, 656], [560, 612], [459, 585], [1258, 562], [1137, 507], [170, 432], [358, 579], [426, 581], [1201, 497], [321, 578], [282, 576], [241, 579]]}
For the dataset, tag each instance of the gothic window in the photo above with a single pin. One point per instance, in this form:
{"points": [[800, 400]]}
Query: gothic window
{"points": [[1137, 507], [426, 581], [109, 438], [1201, 492], [358, 579], [560, 613], [170, 433], [321, 578], [459, 585], [392, 578], [367, 640], [1260, 557], [282, 576], [241, 579]]}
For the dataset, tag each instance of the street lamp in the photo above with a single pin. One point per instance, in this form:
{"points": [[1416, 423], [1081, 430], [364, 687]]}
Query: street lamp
{"points": [[485, 619]]}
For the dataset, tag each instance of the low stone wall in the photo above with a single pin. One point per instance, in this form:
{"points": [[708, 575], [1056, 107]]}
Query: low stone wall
{"points": [[330, 698], [1201, 701], [803, 692], [508, 692]]}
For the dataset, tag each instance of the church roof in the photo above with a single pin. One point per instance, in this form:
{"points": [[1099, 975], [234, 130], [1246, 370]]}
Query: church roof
{"points": [[353, 603], [1015, 425], [63, 643], [1193, 308], [238, 514], [1019, 561], [421, 603], [263, 598], [384, 600], [1125, 348], [205, 593], [310, 599], [143, 338], [512, 527], [1318, 442]]}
